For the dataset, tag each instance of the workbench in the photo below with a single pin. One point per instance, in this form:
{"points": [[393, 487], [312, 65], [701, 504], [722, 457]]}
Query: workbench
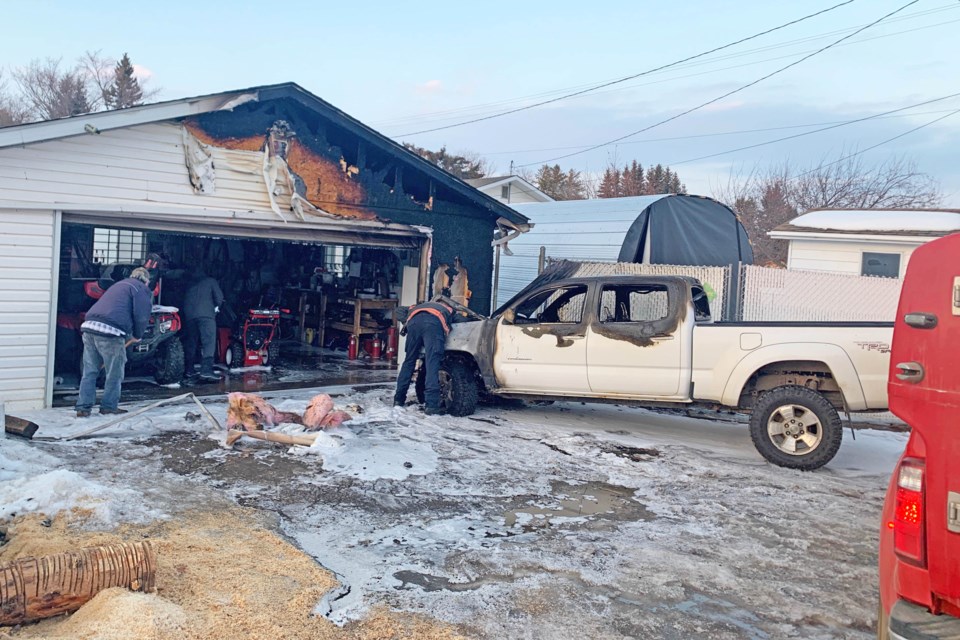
{"points": [[359, 306]]}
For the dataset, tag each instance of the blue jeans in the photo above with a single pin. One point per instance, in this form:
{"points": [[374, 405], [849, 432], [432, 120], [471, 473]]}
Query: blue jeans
{"points": [[423, 332], [108, 352]]}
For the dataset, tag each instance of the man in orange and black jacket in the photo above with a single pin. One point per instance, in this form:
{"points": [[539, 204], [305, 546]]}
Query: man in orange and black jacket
{"points": [[427, 327]]}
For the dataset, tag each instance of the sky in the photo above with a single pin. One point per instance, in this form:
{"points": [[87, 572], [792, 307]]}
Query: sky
{"points": [[406, 67]]}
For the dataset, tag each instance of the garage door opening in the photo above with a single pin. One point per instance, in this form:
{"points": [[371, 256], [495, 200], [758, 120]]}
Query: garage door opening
{"points": [[291, 310]]}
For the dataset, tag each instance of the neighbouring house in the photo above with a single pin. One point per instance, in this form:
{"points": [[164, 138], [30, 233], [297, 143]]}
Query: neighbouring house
{"points": [[509, 189], [862, 242], [270, 189]]}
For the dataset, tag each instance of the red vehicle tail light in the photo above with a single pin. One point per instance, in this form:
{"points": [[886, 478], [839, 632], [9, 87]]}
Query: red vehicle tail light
{"points": [[908, 519]]}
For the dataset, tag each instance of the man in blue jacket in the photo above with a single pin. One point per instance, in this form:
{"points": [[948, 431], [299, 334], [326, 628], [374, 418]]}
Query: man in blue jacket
{"points": [[119, 316]]}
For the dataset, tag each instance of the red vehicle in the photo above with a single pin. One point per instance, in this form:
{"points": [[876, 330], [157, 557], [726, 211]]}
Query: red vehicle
{"points": [[920, 530]]}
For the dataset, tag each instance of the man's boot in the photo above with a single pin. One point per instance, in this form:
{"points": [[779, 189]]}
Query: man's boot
{"points": [[207, 374]]}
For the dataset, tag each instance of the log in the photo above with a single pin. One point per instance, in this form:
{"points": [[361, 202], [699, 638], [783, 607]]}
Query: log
{"points": [[269, 436], [36, 588]]}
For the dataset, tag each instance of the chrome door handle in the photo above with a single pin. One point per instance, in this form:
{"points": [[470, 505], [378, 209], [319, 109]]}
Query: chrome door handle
{"points": [[910, 372]]}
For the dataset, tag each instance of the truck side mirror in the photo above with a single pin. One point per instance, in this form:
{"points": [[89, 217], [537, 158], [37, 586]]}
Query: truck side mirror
{"points": [[509, 316]]}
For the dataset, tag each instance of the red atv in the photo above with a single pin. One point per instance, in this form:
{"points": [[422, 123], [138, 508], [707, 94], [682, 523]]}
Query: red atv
{"points": [[253, 343], [159, 350]]}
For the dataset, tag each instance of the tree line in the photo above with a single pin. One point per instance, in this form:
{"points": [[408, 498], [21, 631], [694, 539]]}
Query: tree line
{"points": [[48, 89], [763, 198]]}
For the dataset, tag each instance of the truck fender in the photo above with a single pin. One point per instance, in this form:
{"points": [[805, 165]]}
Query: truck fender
{"points": [[831, 355]]}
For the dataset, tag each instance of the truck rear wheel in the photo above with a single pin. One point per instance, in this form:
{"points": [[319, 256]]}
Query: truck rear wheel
{"points": [[796, 427]]}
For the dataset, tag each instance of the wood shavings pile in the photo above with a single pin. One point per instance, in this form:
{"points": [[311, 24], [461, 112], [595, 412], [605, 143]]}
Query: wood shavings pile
{"points": [[220, 576]]}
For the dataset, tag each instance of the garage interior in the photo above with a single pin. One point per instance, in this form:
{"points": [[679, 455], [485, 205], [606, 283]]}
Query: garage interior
{"points": [[310, 298]]}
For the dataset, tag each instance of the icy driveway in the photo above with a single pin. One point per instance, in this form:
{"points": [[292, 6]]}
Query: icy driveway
{"points": [[565, 520]]}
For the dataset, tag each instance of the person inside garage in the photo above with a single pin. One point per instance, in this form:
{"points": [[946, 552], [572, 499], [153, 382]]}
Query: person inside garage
{"points": [[201, 302], [119, 316], [426, 328]]}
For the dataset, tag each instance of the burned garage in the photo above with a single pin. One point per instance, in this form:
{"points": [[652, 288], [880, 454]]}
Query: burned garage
{"points": [[315, 227]]}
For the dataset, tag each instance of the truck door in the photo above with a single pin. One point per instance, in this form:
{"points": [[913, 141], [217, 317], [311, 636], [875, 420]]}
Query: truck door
{"points": [[924, 390], [543, 346], [636, 345]]}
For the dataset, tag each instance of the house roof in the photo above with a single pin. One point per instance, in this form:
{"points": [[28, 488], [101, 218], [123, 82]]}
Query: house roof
{"points": [[872, 222], [496, 181], [92, 123]]}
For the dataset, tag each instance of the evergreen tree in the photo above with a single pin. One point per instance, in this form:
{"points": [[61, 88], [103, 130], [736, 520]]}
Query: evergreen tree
{"points": [[73, 96], [610, 184], [559, 185], [464, 166], [125, 90], [633, 180], [656, 180]]}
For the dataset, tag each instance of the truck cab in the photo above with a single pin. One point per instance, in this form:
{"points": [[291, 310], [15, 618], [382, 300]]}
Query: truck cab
{"points": [[920, 526]]}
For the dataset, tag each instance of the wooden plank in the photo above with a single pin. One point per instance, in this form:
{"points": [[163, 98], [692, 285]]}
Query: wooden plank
{"points": [[34, 588], [19, 427]]}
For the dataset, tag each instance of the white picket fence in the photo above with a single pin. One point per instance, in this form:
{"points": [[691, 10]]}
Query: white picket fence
{"points": [[764, 294]]}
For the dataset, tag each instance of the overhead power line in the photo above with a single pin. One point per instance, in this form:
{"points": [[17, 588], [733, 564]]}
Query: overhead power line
{"points": [[729, 93], [636, 75], [881, 143], [464, 112], [732, 132], [808, 133]]}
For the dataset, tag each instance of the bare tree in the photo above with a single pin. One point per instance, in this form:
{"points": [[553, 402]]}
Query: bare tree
{"points": [[850, 183], [52, 92], [98, 70], [48, 90], [12, 110], [767, 198]]}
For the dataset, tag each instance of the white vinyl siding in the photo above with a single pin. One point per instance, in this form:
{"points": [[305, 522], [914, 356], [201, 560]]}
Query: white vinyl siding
{"points": [[843, 255], [143, 164], [26, 291]]}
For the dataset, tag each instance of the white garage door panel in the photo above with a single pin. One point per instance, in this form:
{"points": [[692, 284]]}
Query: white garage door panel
{"points": [[26, 287]]}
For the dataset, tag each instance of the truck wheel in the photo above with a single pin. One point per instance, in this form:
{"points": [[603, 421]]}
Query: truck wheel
{"points": [[459, 391], [169, 363], [796, 427]]}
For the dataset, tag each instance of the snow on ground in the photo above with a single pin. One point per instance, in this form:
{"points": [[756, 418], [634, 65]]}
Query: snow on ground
{"points": [[556, 521]]}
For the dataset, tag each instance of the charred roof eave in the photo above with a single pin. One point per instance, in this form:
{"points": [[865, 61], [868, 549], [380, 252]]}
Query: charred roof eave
{"points": [[299, 94]]}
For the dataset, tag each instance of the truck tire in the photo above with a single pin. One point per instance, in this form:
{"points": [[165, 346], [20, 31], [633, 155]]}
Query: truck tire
{"points": [[796, 427], [459, 391], [169, 362]]}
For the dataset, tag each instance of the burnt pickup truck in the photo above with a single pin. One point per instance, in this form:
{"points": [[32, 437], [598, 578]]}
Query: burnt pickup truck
{"points": [[650, 341]]}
